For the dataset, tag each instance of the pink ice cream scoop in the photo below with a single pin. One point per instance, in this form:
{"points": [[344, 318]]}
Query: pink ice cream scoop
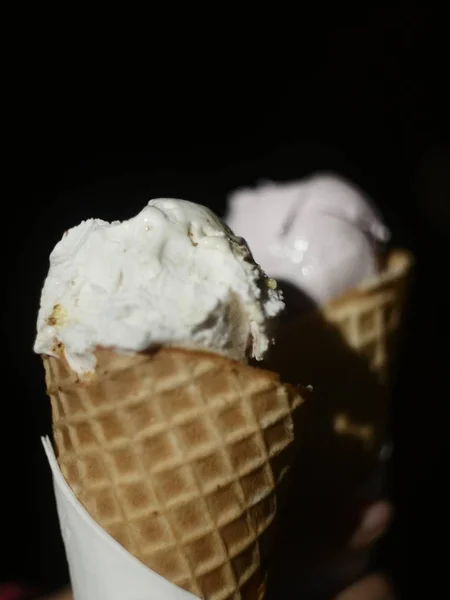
{"points": [[320, 234]]}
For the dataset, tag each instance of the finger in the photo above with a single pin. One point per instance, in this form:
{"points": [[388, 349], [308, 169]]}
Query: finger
{"points": [[374, 523], [63, 595], [373, 587]]}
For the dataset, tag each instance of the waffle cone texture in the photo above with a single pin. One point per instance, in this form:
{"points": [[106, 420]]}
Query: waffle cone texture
{"points": [[345, 350], [179, 455], [367, 318]]}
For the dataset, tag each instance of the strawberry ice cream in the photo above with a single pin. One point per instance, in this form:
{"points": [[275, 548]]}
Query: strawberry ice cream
{"points": [[320, 234]]}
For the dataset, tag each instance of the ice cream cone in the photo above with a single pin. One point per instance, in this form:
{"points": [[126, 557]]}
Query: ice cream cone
{"points": [[369, 317], [345, 349], [179, 456]]}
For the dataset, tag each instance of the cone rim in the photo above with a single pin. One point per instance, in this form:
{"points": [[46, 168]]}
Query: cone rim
{"points": [[398, 264]]}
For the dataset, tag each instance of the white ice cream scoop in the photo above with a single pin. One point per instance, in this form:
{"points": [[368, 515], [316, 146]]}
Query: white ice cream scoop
{"points": [[174, 274], [319, 234]]}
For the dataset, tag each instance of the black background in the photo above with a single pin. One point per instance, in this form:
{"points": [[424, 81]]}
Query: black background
{"points": [[365, 99]]}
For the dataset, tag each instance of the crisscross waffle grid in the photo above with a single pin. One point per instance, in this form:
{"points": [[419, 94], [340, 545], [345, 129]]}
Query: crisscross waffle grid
{"points": [[369, 316], [177, 455], [368, 326]]}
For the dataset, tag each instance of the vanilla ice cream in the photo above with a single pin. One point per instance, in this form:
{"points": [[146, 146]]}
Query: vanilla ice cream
{"points": [[174, 274], [320, 234]]}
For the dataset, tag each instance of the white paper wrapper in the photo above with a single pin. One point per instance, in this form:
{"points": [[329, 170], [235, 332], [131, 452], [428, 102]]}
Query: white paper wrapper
{"points": [[100, 568]]}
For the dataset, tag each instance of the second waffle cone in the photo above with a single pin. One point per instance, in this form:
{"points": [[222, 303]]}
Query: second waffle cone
{"points": [[179, 455], [345, 351]]}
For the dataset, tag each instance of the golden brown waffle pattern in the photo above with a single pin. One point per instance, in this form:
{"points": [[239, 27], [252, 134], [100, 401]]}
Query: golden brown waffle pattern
{"points": [[369, 316], [178, 455]]}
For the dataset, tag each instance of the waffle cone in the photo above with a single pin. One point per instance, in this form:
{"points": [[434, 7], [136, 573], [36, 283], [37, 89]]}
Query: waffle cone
{"points": [[345, 350], [369, 316], [179, 456]]}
